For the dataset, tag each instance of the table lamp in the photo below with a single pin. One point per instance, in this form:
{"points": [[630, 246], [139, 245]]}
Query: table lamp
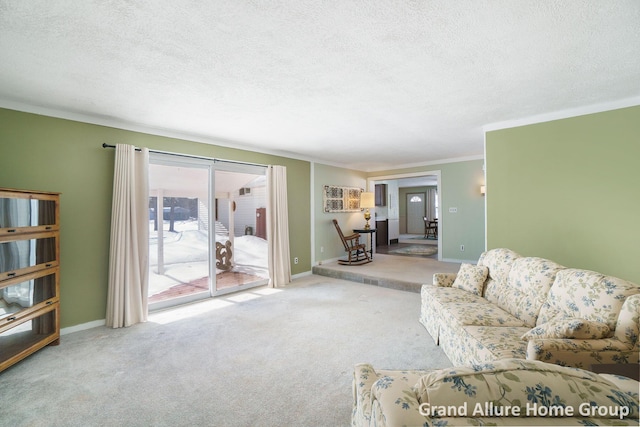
{"points": [[367, 200]]}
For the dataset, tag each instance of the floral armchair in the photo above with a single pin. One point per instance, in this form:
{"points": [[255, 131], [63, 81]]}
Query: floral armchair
{"points": [[506, 392]]}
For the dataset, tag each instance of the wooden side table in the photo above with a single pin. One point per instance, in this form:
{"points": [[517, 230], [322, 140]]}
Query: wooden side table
{"points": [[370, 232]]}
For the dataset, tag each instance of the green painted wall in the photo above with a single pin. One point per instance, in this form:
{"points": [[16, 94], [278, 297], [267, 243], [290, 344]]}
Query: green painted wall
{"points": [[569, 190], [326, 235], [49, 154], [460, 187]]}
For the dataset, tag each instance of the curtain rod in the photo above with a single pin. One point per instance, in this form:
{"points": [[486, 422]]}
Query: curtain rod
{"points": [[105, 145]]}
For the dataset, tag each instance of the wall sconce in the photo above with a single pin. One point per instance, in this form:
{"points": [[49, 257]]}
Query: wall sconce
{"points": [[367, 200], [483, 189]]}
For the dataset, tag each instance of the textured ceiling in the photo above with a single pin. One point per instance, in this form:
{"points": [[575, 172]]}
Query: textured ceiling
{"points": [[369, 84]]}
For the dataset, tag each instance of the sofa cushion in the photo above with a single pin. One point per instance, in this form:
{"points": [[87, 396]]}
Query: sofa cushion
{"points": [[433, 299], [530, 280], [471, 278], [569, 328], [478, 314], [437, 295], [499, 262], [463, 340], [525, 290], [481, 344], [522, 383], [586, 295]]}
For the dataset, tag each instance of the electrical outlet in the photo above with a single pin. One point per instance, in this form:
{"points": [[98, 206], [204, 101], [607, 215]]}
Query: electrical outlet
{"points": [[321, 249], [461, 248], [453, 210], [295, 260]]}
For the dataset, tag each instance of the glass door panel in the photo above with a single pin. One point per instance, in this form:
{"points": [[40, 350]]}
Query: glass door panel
{"points": [[178, 231], [240, 224]]}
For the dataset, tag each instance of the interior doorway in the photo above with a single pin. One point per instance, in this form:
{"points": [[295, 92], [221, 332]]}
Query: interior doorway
{"points": [[407, 181]]}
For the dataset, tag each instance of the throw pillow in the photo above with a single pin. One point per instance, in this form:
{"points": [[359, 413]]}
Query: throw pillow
{"points": [[471, 278], [569, 328]]}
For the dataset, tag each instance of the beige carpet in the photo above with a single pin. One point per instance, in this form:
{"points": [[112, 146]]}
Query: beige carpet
{"points": [[262, 357]]}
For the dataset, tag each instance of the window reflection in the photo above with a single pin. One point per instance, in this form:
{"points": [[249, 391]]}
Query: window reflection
{"points": [[26, 253], [26, 212]]}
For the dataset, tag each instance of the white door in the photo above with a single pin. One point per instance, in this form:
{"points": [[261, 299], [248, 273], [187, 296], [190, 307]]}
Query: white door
{"points": [[415, 213]]}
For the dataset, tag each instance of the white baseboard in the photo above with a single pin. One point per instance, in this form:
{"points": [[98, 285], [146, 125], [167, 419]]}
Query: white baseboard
{"points": [[102, 322], [299, 275], [82, 327], [327, 261]]}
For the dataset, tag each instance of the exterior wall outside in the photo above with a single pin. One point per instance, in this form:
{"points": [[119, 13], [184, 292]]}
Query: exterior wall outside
{"points": [[245, 214]]}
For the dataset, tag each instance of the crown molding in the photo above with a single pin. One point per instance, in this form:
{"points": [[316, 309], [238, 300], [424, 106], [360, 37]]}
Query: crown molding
{"points": [[420, 164], [135, 127], [564, 114]]}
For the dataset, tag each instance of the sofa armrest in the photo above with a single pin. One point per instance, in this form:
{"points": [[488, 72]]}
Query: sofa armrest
{"points": [[580, 353], [363, 378], [444, 280], [394, 403]]}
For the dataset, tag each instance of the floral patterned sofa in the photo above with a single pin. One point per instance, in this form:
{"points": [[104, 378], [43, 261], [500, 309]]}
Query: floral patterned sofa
{"points": [[509, 306], [506, 392]]}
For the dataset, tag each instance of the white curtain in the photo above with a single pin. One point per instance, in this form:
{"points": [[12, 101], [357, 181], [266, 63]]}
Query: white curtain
{"points": [[278, 227], [431, 203], [129, 251]]}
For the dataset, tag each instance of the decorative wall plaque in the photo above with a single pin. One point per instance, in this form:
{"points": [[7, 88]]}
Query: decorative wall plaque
{"points": [[341, 199]]}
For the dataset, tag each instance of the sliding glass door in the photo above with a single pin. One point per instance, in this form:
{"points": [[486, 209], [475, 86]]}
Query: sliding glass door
{"points": [[207, 229], [241, 237], [179, 255]]}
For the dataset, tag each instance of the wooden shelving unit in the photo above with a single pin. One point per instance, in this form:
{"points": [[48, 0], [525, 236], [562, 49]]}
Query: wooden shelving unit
{"points": [[29, 273]]}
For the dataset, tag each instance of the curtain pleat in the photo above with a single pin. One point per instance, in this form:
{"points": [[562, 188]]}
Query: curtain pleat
{"points": [[431, 203], [278, 227], [129, 250]]}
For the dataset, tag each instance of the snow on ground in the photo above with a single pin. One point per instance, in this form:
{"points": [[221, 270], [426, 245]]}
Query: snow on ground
{"points": [[186, 255]]}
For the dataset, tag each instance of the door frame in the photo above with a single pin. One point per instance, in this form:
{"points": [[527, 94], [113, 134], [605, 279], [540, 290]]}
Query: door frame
{"points": [[211, 165], [371, 181], [238, 168], [173, 160]]}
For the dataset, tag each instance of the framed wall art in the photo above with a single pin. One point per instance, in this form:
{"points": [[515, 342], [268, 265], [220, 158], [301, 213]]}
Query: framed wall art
{"points": [[341, 199]]}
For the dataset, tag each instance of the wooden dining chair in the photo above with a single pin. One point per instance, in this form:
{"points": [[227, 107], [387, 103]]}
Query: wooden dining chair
{"points": [[430, 228], [357, 251]]}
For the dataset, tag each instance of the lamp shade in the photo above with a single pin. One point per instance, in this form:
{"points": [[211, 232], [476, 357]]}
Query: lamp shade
{"points": [[367, 200]]}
